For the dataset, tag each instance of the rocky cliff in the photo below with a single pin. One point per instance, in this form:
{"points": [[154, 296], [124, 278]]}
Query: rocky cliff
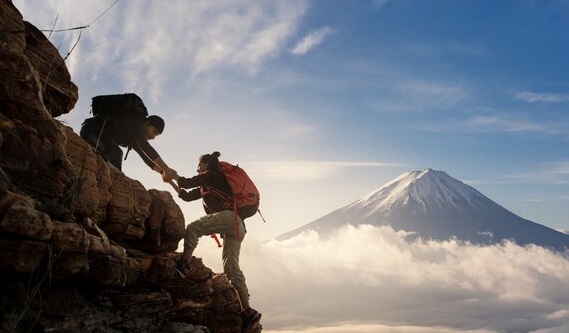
{"points": [[84, 248]]}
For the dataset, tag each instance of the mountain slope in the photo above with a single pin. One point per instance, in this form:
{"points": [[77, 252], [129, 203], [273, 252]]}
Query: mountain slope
{"points": [[434, 205]]}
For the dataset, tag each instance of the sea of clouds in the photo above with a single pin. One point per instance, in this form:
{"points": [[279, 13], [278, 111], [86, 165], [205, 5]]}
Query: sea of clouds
{"points": [[369, 279]]}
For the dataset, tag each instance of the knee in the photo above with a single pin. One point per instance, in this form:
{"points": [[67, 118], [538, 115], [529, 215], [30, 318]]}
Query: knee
{"points": [[192, 228], [192, 232]]}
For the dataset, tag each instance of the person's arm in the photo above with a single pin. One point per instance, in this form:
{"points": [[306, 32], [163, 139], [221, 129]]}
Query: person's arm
{"points": [[148, 154], [161, 167], [195, 181], [192, 195]]}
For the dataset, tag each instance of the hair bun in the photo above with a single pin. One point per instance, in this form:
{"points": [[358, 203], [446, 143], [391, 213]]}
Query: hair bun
{"points": [[216, 154]]}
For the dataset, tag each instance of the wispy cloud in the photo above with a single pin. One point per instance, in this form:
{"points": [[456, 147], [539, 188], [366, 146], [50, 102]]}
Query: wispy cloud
{"points": [[312, 40], [472, 49], [533, 97], [149, 44], [557, 167], [370, 279], [497, 124], [374, 328], [545, 173], [413, 95], [437, 50], [304, 170], [378, 4], [446, 93]]}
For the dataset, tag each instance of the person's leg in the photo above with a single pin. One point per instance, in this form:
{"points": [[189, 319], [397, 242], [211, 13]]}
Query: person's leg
{"points": [[113, 152], [103, 143], [233, 237], [90, 132], [206, 225], [230, 255]]}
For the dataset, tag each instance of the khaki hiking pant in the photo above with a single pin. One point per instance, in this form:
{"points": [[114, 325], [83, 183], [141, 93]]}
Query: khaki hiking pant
{"points": [[220, 223]]}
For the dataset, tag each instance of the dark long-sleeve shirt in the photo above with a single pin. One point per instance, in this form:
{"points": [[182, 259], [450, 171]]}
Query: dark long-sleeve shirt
{"points": [[206, 185], [126, 133], [130, 133]]}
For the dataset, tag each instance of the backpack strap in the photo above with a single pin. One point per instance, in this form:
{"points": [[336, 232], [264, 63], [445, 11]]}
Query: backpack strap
{"points": [[214, 236], [262, 218], [128, 149]]}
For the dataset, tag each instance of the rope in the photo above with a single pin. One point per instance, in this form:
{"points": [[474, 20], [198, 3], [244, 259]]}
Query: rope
{"points": [[100, 133]]}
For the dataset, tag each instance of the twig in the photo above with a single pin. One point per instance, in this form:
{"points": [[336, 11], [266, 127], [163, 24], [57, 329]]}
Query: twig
{"points": [[53, 27], [31, 295], [103, 13], [74, 45], [83, 26]]}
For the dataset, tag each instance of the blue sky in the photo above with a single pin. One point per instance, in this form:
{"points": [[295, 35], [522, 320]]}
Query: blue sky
{"points": [[324, 101]]}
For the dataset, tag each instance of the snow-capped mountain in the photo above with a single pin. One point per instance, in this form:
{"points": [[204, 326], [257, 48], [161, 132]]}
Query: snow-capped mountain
{"points": [[433, 205]]}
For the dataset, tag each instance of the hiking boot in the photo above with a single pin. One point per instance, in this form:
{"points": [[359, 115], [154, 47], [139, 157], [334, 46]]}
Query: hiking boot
{"points": [[248, 319], [181, 268]]}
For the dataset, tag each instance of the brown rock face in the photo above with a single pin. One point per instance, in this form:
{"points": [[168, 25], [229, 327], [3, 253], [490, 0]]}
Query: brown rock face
{"points": [[84, 248]]}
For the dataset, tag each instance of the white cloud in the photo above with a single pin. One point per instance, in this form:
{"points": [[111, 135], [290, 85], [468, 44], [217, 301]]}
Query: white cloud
{"points": [[557, 167], [312, 40], [370, 278], [62, 15], [373, 328], [545, 173], [149, 43], [376, 329], [378, 4], [532, 97], [505, 125], [437, 50], [492, 123], [472, 49], [444, 93], [305, 170], [413, 95]]}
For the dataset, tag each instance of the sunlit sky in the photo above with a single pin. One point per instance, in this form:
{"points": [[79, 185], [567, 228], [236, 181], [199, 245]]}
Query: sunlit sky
{"points": [[324, 101]]}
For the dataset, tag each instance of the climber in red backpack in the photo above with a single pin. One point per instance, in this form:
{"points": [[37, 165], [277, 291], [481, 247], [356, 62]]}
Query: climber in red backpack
{"points": [[226, 208]]}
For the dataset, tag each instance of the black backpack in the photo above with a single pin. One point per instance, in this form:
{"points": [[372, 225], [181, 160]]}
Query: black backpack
{"points": [[124, 106]]}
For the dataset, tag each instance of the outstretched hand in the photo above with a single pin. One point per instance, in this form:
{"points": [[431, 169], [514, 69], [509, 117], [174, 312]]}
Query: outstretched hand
{"points": [[168, 175]]}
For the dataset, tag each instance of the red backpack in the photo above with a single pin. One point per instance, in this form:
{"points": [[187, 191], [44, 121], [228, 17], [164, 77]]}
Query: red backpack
{"points": [[245, 197]]}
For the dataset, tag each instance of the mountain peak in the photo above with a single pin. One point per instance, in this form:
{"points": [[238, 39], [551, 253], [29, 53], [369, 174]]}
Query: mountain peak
{"points": [[427, 189], [433, 205]]}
